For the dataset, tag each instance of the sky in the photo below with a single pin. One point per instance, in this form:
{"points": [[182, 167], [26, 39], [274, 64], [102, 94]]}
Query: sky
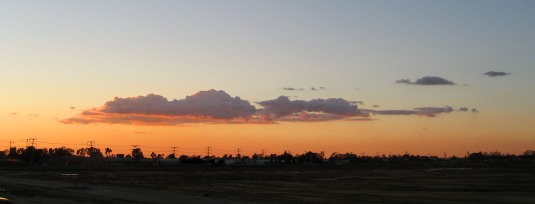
{"points": [[368, 77]]}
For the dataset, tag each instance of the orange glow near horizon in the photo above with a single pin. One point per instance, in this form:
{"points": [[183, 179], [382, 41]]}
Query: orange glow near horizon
{"points": [[386, 135]]}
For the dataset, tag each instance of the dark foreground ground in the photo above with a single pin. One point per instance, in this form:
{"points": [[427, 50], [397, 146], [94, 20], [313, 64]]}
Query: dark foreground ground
{"points": [[273, 184]]}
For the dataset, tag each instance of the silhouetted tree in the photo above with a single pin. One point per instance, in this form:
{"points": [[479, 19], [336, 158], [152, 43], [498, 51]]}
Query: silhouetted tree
{"points": [[13, 154], [60, 152], [286, 157], [137, 154], [107, 151], [171, 156]]}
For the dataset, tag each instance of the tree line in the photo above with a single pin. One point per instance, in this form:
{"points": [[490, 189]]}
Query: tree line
{"points": [[95, 156]]}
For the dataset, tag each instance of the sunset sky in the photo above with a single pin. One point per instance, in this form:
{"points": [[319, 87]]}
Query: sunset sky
{"points": [[372, 77]]}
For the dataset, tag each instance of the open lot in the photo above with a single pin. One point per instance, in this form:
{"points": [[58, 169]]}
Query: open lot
{"points": [[277, 184]]}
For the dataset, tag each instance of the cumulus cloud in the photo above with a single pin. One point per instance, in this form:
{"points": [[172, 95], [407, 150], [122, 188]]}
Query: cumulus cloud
{"points": [[211, 105], [496, 74], [427, 81]]}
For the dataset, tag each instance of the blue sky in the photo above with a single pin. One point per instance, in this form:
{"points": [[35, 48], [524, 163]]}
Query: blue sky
{"points": [[58, 54]]}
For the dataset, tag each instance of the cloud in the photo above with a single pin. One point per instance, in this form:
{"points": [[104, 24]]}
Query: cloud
{"points": [[423, 111], [496, 74], [207, 104], [427, 81], [204, 106], [140, 132], [217, 107], [464, 109], [315, 89], [283, 106], [302, 89], [292, 89]]}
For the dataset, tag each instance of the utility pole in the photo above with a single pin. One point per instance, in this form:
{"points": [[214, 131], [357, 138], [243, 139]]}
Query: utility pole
{"points": [[134, 152], [238, 151], [10, 143], [208, 150], [91, 144], [90, 150], [32, 141], [174, 152], [263, 151], [31, 149]]}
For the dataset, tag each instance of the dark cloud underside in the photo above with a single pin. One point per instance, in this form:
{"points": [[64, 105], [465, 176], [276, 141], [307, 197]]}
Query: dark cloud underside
{"points": [[496, 74], [219, 107], [427, 81]]}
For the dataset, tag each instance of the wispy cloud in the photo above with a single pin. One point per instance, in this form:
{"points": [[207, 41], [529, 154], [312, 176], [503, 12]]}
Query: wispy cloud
{"points": [[427, 81], [140, 132], [302, 89], [423, 111], [496, 74], [292, 89]]}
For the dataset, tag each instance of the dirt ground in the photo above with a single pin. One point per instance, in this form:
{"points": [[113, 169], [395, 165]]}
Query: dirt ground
{"points": [[277, 184]]}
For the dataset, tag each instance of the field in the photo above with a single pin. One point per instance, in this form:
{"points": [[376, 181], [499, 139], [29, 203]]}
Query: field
{"points": [[274, 184]]}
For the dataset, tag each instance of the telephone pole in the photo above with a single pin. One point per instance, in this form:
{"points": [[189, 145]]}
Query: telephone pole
{"points": [[91, 144], [32, 149], [32, 141], [174, 152], [208, 150]]}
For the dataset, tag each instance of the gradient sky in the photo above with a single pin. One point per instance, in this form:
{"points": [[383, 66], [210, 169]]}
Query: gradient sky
{"points": [[55, 55]]}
